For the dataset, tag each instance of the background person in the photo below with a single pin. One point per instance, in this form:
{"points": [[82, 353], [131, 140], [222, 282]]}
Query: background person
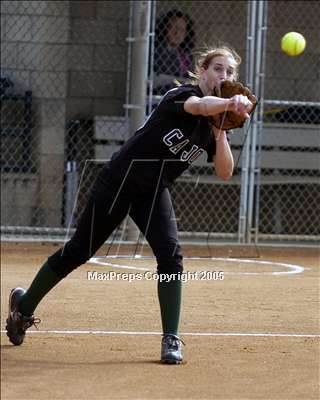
{"points": [[174, 41]]}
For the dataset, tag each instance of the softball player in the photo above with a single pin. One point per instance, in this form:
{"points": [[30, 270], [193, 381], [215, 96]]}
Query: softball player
{"points": [[136, 182]]}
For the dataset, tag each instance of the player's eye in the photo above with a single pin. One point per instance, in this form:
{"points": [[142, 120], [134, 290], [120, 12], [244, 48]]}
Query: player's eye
{"points": [[230, 72], [218, 69]]}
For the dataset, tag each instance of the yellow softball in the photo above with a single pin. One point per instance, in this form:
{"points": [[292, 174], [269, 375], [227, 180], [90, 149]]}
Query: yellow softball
{"points": [[293, 43]]}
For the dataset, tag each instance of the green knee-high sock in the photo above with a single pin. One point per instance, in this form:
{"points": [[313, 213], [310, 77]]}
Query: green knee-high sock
{"points": [[169, 294], [43, 282]]}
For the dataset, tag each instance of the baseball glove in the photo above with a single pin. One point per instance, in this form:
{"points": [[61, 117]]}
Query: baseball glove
{"points": [[230, 120]]}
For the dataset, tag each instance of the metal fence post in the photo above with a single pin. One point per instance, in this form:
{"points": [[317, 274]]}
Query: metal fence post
{"points": [[254, 75], [141, 13], [250, 57]]}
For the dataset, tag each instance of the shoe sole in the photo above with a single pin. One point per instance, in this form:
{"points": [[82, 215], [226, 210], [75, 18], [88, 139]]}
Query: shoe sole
{"points": [[173, 362], [12, 339], [8, 325]]}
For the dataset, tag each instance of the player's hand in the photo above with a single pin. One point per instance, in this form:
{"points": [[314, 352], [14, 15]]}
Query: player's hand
{"points": [[241, 105]]}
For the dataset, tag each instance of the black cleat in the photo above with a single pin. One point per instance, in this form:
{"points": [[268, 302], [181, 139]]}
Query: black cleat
{"points": [[17, 324], [171, 349]]}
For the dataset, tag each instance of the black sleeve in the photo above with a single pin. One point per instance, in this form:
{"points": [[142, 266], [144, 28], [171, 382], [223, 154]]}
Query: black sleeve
{"points": [[173, 100], [211, 149]]}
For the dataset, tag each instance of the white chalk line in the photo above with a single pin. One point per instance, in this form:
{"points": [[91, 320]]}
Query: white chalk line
{"points": [[133, 333], [290, 268]]}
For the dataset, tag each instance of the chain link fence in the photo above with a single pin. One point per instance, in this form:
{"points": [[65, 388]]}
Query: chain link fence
{"points": [[286, 193], [205, 206], [65, 78], [63, 87], [289, 194]]}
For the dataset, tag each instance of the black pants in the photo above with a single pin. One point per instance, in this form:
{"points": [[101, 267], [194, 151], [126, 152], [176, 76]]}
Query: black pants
{"points": [[108, 205]]}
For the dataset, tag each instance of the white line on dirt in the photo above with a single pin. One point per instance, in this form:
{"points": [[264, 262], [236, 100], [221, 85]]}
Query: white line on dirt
{"points": [[132, 333], [289, 268]]}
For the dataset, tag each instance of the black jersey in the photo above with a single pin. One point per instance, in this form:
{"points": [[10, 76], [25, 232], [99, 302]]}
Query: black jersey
{"points": [[168, 142]]}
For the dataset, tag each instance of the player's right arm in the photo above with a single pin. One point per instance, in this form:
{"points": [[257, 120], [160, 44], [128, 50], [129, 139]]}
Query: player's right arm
{"points": [[206, 106], [211, 105]]}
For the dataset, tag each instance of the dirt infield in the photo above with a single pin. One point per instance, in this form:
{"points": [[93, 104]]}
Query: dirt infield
{"points": [[252, 335]]}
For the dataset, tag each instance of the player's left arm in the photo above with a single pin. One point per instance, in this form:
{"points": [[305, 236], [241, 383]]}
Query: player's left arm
{"points": [[223, 159], [210, 105]]}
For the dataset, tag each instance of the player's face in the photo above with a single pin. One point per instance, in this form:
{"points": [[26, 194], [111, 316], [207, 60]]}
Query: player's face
{"points": [[221, 68]]}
